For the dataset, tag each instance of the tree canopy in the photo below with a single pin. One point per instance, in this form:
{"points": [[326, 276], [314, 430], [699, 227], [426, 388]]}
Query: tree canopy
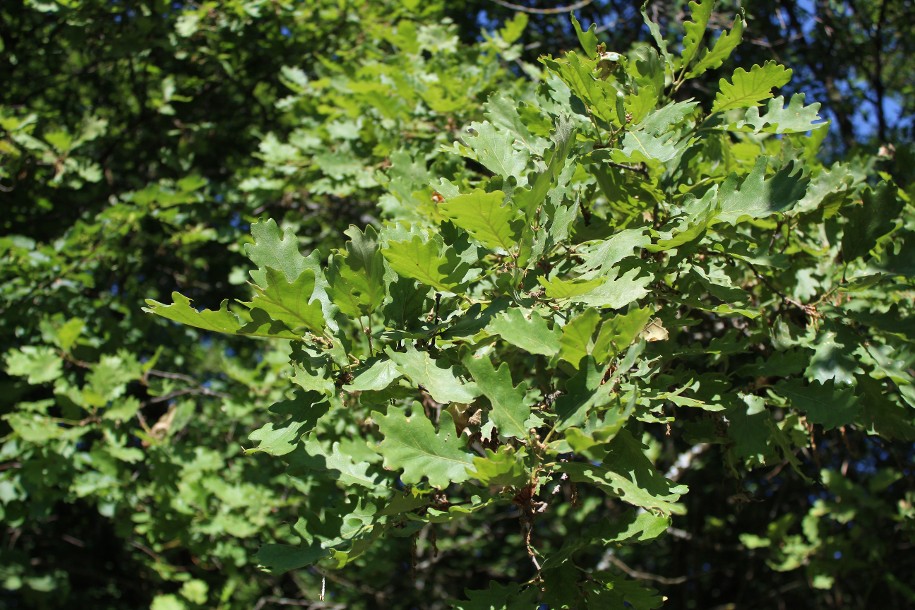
{"points": [[427, 304]]}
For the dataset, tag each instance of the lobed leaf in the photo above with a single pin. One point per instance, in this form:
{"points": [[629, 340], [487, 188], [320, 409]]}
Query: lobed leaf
{"points": [[411, 444], [750, 88]]}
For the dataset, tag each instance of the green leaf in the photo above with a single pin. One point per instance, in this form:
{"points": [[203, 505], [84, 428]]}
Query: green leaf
{"points": [[657, 137], [902, 261], [637, 527], [793, 118], [528, 200], [280, 558], [376, 377], [484, 216], [494, 149], [603, 255], [336, 464], [514, 27], [276, 250], [558, 288], [617, 333], [497, 596], [276, 441], [582, 394], [823, 403], [868, 222], [440, 381], [655, 32], [757, 196], [421, 259], [647, 73], [750, 88], [724, 46], [629, 475], [411, 444], [356, 280], [503, 468], [529, 331], [575, 342], [616, 293], [289, 302], [694, 29], [221, 320], [588, 39], [598, 95], [510, 407], [37, 364]]}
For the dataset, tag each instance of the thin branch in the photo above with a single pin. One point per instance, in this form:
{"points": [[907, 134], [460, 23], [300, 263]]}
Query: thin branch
{"points": [[544, 11], [302, 603], [609, 558]]}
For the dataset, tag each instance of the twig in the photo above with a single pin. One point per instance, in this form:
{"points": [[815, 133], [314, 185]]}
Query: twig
{"points": [[609, 557], [544, 11], [302, 603]]}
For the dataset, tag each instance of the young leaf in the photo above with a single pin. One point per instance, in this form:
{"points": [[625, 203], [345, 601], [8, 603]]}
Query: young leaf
{"points": [[441, 382], [484, 216], [750, 88], [510, 408], [504, 468], [411, 444]]}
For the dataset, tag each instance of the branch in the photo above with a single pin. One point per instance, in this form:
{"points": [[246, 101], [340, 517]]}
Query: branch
{"points": [[544, 11], [609, 558], [302, 603]]}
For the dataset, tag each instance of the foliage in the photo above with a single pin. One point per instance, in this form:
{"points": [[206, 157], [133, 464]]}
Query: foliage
{"points": [[526, 375]]}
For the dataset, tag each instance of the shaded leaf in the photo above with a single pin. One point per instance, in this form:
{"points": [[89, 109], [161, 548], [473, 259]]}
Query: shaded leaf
{"points": [[758, 196], [874, 218], [822, 403]]}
